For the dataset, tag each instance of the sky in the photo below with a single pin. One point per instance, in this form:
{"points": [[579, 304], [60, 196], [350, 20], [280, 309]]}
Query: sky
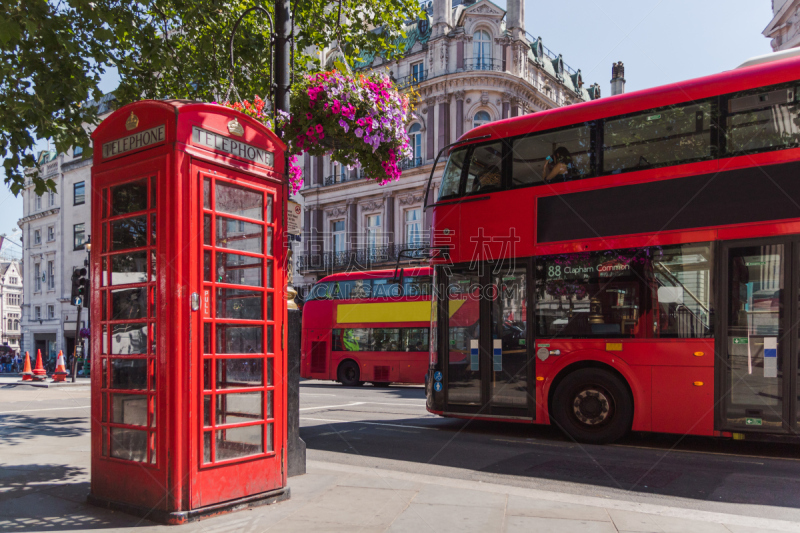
{"points": [[659, 41]]}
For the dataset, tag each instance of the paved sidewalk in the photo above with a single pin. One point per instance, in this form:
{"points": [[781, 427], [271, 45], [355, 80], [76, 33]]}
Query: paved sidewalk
{"points": [[341, 498]]}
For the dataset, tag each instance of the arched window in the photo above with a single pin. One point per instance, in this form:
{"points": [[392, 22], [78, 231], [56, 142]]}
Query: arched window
{"points": [[415, 136], [481, 118], [16, 325], [10, 324], [482, 50]]}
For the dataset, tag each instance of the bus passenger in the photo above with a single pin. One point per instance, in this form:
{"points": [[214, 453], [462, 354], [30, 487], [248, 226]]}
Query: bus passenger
{"points": [[558, 167]]}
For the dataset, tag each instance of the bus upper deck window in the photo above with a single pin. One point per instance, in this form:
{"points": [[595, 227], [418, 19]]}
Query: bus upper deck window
{"points": [[451, 180], [485, 167]]}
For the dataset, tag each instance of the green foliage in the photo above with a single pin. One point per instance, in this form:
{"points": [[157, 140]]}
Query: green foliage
{"points": [[54, 53]]}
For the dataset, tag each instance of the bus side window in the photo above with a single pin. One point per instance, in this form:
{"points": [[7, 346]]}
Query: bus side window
{"points": [[485, 168], [764, 119], [535, 154], [361, 288], [417, 286], [415, 339], [336, 340], [320, 291]]}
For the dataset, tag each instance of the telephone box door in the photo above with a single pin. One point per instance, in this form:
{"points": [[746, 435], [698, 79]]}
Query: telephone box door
{"points": [[239, 449]]}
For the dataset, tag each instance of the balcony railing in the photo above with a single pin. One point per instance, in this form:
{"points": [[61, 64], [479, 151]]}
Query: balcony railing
{"points": [[339, 178], [484, 64], [411, 79], [356, 259], [413, 162]]}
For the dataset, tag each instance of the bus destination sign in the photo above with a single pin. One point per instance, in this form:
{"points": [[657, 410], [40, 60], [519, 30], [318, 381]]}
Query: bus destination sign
{"points": [[133, 142], [238, 149]]}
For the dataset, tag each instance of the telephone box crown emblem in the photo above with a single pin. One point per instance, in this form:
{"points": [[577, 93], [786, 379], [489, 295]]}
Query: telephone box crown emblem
{"points": [[235, 128], [132, 122]]}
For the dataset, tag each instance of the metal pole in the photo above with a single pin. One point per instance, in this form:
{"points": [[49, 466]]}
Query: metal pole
{"points": [[283, 29]]}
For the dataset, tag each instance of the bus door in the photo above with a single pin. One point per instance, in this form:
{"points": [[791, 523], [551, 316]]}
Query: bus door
{"points": [[488, 364], [756, 342]]}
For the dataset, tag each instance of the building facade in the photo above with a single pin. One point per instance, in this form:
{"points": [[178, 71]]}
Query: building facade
{"points": [[10, 304], [784, 28], [470, 63], [55, 230]]}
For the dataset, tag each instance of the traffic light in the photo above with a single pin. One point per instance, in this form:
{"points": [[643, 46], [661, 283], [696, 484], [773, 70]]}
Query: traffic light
{"points": [[80, 287]]}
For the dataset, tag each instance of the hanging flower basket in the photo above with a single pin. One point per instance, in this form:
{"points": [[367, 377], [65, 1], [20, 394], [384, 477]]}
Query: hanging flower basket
{"points": [[358, 120]]}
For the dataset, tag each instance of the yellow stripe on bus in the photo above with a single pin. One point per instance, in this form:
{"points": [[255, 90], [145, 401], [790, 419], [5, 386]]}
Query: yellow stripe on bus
{"points": [[389, 312]]}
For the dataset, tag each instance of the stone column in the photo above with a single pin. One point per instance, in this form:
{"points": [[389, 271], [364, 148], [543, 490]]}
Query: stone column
{"points": [[444, 120], [352, 224], [459, 96], [431, 130], [389, 224]]}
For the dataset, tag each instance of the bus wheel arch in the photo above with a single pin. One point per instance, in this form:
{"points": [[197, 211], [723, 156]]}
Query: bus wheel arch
{"points": [[349, 374], [596, 403]]}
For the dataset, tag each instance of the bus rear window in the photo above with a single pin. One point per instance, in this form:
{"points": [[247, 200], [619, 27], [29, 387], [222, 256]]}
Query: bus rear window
{"points": [[451, 180], [766, 119]]}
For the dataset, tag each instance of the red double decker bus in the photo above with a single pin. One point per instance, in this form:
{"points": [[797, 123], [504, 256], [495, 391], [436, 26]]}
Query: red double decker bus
{"points": [[368, 326], [634, 263]]}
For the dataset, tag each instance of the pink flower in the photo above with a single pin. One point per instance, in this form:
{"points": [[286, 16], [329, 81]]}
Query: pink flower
{"points": [[319, 128]]}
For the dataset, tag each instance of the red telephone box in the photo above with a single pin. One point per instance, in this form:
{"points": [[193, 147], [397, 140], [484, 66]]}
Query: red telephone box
{"points": [[187, 311]]}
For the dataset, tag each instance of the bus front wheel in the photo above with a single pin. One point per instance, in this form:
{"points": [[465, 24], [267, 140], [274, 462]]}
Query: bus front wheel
{"points": [[349, 374], [592, 406]]}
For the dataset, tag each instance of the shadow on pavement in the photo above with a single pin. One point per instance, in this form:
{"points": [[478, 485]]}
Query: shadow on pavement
{"points": [[669, 465], [16, 429]]}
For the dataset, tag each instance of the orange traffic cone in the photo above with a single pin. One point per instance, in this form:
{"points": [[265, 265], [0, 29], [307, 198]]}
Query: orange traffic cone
{"points": [[61, 368], [39, 373], [27, 375]]}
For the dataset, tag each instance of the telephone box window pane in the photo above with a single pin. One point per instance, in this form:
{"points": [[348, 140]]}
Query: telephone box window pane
{"points": [[103, 414], [152, 375], [153, 229], [270, 305], [207, 447], [152, 448], [129, 268], [129, 409], [239, 305], [153, 192], [239, 269], [269, 241], [239, 235], [239, 339], [105, 351], [239, 201], [129, 233], [104, 273], [129, 374], [129, 304], [104, 385], [129, 198], [269, 275], [103, 244], [129, 444], [206, 411], [239, 442], [152, 292], [270, 347], [207, 230], [207, 378], [206, 265], [270, 438], [239, 373], [270, 404], [152, 265], [105, 441], [207, 338], [269, 208], [240, 407], [128, 339], [152, 412], [104, 316], [270, 369], [207, 193]]}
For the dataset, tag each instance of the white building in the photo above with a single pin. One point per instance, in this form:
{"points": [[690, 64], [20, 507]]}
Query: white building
{"points": [[784, 28], [470, 63], [10, 304], [55, 228]]}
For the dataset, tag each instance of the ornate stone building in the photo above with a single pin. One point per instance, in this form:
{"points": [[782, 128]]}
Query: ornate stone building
{"points": [[470, 63], [784, 28]]}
